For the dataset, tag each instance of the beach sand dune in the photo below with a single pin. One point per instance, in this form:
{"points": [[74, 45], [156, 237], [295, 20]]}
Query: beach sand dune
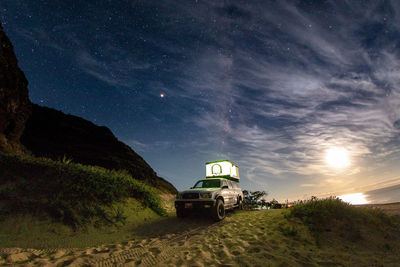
{"points": [[244, 238]]}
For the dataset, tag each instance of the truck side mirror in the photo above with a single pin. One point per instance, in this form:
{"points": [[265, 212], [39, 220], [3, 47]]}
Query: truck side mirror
{"points": [[225, 187]]}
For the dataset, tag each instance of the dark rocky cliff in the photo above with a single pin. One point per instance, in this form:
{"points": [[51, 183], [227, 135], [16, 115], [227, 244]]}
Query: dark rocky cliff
{"points": [[51, 133], [15, 106]]}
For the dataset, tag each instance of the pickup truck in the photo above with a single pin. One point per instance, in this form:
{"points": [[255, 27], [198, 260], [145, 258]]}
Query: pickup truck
{"points": [[215, 195]]}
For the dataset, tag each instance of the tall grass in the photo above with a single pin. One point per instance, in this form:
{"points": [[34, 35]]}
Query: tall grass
{"points": [[71, 192], [325, 215]]}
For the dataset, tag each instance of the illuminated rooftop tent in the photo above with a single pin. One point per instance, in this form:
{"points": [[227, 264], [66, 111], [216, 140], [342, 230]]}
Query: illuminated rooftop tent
{"points": [[222, 169]]}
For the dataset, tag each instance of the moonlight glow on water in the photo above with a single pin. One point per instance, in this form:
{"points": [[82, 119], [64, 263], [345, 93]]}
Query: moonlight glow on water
{"points": [[355, 199]]}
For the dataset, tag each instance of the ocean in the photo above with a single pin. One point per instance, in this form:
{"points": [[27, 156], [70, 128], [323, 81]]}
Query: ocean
{"points": [[383, 195]]}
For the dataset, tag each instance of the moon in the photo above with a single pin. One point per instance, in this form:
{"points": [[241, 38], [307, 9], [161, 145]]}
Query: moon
{"points": [[337, 157]]}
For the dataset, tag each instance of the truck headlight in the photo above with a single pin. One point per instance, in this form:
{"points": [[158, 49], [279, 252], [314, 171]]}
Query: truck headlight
{"points": [[205, 195]]}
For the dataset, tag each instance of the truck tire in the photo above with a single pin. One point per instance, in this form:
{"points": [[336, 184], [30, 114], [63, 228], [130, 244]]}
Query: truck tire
{"points": [[180, 212], [240, 203], [219, 210]]}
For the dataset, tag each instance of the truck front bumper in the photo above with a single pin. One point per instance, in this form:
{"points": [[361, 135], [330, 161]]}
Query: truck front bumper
{"points": [[194, 203]]}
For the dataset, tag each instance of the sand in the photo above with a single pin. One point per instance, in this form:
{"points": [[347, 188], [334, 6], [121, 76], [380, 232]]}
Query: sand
{"points": [[191, 248], [239, 240], [146, 252]]}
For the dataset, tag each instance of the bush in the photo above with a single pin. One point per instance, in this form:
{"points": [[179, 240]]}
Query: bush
{"points": [[320, 213], [332, 213], [252, 199], [288, 230], [70, 192]]}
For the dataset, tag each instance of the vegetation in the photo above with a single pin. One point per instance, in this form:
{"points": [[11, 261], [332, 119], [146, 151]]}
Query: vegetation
{"points": [[325, 232], [30, 231], [252, 198], [274, 204], [349, 222], [72, 193], [11, 146], [274, 238]]}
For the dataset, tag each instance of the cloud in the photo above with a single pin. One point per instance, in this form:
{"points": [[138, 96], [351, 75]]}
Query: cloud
{"points": [[308, 185], [118, 69], [38, 37], [137, 145], [312, 87], [270, 85]]}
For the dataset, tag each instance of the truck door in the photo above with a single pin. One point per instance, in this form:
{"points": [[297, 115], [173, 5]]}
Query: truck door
{"points": [[232, 199], [236, 191], [225, 192]]}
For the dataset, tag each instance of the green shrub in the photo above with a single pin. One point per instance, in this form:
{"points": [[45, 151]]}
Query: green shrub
{"points": [[323, 215], [288, 230], [71, 192]]}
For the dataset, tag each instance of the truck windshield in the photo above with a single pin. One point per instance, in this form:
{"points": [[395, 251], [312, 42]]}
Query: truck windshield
{"points": [[207, 184]]}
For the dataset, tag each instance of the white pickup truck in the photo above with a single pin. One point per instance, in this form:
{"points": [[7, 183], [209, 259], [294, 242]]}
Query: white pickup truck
{"points": [[217, 193]]}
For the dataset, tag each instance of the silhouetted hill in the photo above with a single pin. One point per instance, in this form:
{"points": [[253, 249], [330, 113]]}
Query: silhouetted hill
{"points": [[51, 133], [14, 101]]}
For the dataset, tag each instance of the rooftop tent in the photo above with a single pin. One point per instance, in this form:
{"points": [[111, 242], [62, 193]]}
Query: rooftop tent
{"points": [[223, 169]]}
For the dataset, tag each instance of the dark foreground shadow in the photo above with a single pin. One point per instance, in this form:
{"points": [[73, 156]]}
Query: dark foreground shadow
{"points": [[174, 225]]}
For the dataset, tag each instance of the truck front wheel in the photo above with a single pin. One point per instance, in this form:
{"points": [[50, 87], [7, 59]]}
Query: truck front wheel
{"points": [[219, 210]]}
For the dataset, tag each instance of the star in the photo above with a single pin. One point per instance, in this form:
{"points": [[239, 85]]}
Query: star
{"points": [[279, 87]]}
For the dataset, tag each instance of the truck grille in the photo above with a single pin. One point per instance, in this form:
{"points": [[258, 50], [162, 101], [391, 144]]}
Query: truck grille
{"points": [[190, 196]]}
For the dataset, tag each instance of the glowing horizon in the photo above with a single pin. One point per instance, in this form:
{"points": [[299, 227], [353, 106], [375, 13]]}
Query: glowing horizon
{"points": [[354, 199]]}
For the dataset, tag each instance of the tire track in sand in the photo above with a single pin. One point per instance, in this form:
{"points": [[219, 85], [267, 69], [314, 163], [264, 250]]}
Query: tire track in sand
{"points": [[164, 249], [35, 251]]}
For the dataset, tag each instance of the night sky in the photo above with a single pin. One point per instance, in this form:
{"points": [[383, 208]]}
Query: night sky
{"points": [[270, 85]]}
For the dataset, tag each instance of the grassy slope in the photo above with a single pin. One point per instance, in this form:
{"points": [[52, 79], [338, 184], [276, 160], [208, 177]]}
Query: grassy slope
{"points": [[293, 237], [27, 231], [63, 193], [255, 238], [275, 238], [316, 233], [346, 236], [332, 220]]}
